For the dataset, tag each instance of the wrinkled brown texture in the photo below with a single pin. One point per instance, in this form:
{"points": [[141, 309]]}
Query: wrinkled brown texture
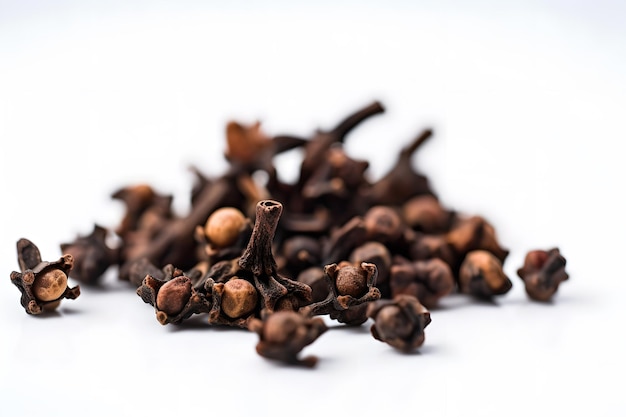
{"points": [[348, 308], [481, 275], [283, 334], [542, 273], [179, 299], [428, 280], [92, 256], [258, 260], [399, 322]]}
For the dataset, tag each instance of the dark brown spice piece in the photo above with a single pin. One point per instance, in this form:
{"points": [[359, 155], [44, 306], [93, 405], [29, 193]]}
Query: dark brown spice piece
{"points": [[344, 240], [425, 247], [481, 275], [351, 287], [375, 253], [300, 252], [383, 224], [173, 297], [139, 199], [315, 278], [173, 242], [92, 256], [403, 181], [475, 233], [426, 214], [258, 260], [542, 273], [399, 322], [428, 280], [316, 149], [42, 284], [283, 334], [138, 269]]}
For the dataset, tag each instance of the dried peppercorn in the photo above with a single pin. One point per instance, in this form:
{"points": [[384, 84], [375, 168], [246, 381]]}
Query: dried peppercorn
{"points": [[43, 284], [542, 273]]}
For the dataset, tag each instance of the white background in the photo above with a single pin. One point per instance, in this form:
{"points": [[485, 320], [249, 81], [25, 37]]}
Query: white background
{"points": [[527, 101]]}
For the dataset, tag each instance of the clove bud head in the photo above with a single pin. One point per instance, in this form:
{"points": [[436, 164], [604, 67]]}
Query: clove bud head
{"points": [[223, 226], [239, 298], [399, 322], [50, 285], [542, 273], [351, 280], [481, 275], [174, 295]]}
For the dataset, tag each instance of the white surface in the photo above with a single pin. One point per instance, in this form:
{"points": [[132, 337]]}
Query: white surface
{"points": [[527, 102]]}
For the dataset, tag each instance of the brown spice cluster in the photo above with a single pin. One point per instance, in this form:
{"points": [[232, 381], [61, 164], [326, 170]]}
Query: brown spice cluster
{"points": [[271, 256]]}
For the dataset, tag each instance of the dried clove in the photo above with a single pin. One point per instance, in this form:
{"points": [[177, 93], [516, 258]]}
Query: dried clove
{"points": [[234, 303], [351, 287], [426, 214], [315, 278], [300, 252], [283, 334], [43, 284], [428, 280], [173, 297], [399, 322], [92, 256], [481, 275], [542, 273], [433, 246], [402, 181], [375, 253], [383, 224], [474, 233], [258, 260], [344, 240]]}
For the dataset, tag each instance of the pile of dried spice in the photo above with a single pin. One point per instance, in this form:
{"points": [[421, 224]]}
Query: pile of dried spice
{"points": [[274, 257]]}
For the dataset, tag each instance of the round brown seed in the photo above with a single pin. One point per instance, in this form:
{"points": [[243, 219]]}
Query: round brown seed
{"points": [[223, 226], [173, 295], [351, 281], [282, 326], [239, 298], [50, 285]]}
